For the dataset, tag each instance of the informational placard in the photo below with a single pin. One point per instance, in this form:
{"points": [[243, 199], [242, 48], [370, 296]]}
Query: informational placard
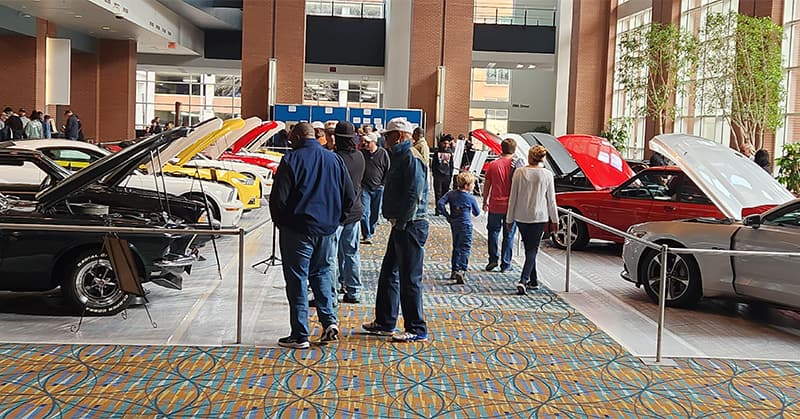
{"points": [[476, 165], [367, 112], [367, 120], [458, 155], [57, 71], [292, 108], [356, 120], [328, 111]]}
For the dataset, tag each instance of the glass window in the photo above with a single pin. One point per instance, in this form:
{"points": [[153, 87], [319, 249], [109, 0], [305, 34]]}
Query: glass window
{"points": [[650, 185], [789, 217], [350, 93], [69, 155], [498, 76], [789, 132], [368, 9]]}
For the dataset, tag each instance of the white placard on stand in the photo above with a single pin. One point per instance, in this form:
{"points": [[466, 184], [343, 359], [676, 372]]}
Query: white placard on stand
{"points": [[458, 155], [476, 165]]}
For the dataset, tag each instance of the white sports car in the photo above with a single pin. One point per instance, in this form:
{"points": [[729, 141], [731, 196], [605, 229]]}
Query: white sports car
{"points": [[738, 187]]}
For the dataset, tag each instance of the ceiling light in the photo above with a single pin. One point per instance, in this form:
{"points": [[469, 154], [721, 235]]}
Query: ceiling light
{"points": [[532, 66], [491, 65], [189, 80], [105, 28], [78, 16], [520, 66]]}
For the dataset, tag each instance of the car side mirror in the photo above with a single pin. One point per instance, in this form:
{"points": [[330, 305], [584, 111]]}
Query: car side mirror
{"points": [[753, 221]]}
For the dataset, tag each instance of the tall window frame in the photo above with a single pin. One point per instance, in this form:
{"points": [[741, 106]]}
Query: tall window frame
{"points": [[789, 131]]}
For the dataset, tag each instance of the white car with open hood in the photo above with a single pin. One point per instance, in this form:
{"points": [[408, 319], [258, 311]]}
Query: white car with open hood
{"points": [[738, 187], [74, 155]]}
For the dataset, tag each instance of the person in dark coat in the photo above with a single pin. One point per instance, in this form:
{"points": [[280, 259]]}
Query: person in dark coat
{"points": [[348, 233], [762, 160], [14, 124], [72, 128], [442, 168]]}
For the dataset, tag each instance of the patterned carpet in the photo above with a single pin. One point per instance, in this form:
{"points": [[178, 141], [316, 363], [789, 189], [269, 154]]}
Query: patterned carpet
{"points": [[492, 354]]}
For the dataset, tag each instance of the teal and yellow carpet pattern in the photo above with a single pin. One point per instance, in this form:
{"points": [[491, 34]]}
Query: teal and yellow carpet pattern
{"points": [[491, 354]]}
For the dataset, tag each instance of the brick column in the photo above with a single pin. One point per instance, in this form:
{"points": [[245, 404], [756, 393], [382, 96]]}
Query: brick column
{"points": [[261, 20], [442, 35], [117, 87], [22, 85], [588, 67], [85, 92]]}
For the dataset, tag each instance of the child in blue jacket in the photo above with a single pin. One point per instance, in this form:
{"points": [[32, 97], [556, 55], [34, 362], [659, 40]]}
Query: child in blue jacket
{"points": [[462, 204]]}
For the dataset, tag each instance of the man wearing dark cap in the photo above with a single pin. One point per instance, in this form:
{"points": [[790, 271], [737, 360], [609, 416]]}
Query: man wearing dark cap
{"points": [[348, 233], [311, 194]]}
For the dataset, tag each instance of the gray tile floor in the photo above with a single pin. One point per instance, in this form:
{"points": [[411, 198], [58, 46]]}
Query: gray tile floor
{"points": [[204, 312]]}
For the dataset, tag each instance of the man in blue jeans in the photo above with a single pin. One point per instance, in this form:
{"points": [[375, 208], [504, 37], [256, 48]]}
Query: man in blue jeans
{"points": [[405, 206], [349, 261], [376, 165], [496, 191], [311, 193]]}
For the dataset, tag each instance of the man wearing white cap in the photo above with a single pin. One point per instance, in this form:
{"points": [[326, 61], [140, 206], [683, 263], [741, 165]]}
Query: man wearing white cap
{"points": [[405, 205], [319, 131]]}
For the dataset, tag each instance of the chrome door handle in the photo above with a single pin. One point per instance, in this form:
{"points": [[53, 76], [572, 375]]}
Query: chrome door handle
{"points": [[669, 208]]}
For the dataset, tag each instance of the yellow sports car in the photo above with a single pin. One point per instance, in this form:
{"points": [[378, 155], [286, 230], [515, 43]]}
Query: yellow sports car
{"points": [[248, 189]]}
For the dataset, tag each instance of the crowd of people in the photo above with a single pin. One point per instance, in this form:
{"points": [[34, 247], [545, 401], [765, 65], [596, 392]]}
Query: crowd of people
{"points": [[17, 125], [335, 182]]}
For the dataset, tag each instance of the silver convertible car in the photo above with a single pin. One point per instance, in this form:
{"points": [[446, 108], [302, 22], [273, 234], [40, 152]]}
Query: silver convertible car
{"points": [[741, 190]]}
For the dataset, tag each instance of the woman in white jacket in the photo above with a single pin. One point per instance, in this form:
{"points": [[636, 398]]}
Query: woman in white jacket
{"points": [[532, 204]]}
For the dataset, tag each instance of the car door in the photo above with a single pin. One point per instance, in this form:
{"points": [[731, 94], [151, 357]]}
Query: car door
{"points": [[682, 199], [773, 279], [632, 202]]}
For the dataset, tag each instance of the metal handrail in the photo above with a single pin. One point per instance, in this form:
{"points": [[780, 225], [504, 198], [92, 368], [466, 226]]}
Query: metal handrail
{"points": [[153, 231], [664, 251], [496, 15]]}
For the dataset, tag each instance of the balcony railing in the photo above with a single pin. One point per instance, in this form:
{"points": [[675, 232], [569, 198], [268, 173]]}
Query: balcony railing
{"points": [[519, 16], [360, 9]]}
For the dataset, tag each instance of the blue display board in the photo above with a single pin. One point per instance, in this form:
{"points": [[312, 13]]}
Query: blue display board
{"points": [[327, 113], [412, 115], [295, 113], [374, 117]]}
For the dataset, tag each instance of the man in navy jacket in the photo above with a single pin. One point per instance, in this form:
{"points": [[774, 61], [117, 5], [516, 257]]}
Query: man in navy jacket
{"points": [[311, 193], [405, 205]]}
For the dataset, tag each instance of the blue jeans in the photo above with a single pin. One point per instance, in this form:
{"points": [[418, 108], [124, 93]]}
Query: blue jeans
{"points": [[306, 261], [496, 222], [401, 279], [349, 259], [531, 237], [371, 201], [462, 245]]}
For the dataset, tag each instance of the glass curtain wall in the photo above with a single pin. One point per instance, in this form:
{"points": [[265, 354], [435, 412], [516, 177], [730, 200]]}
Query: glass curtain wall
{"points": [[202, 96], [490, 94], [624, 109], [344, 93], [692, 110], [789, 132], [368, 9]]}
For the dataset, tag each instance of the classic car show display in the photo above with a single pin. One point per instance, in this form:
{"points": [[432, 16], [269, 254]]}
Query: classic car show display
{"points": [[740, 190]]}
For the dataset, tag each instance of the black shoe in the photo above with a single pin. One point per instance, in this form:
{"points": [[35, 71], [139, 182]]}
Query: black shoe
{"points": [[351, 300], [312, 303], [507, 269], [460, 277], [490, 267], [342, 291], [521, 289], [330, 334], [366, 241], [533, 285], [294, 343]]}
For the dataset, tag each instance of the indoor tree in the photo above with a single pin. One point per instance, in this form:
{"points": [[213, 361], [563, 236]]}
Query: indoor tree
{"points": [[651, 59], [789, 167], [741, 60]]}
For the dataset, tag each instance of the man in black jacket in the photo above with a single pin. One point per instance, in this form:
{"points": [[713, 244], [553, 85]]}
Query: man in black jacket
{"points": [[442, 168], [14, 124], [376, 165], [311, 193], [348, 258]]}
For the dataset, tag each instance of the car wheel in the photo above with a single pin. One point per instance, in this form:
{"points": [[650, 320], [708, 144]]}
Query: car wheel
{"points": [[684, 286], [580, 234], [90, 281]]}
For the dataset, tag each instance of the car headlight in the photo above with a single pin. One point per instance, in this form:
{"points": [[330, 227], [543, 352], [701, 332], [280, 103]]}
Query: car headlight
{"points": [[244, 181]]}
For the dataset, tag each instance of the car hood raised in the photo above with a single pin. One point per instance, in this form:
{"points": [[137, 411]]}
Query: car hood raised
{"points": [[222, 144], [558, 158], [124, 161], [252, 139], [598, 159], [172, 150], [727, 177], [187, 153]]}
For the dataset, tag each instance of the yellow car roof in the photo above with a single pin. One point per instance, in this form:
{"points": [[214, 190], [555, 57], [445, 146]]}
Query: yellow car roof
{"points": [[187, 153]]}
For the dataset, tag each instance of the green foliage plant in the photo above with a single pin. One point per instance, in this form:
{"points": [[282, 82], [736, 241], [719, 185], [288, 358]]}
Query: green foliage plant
{"points": [[789, 167]]}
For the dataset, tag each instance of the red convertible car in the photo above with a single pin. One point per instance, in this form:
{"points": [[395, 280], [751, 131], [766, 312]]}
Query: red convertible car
{"points": [[242, 149]]}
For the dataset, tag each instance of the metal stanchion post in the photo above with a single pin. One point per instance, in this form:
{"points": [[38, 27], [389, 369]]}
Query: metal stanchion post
{"points": [[662, 300], [569, 249], [240, 289]]}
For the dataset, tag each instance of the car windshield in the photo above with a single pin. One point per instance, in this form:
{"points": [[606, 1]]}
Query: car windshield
{"points": [[787, 217]]}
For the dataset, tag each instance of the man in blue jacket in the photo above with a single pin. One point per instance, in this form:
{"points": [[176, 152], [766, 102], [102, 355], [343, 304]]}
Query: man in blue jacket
{"points": [[311, 193], [405, 205]]}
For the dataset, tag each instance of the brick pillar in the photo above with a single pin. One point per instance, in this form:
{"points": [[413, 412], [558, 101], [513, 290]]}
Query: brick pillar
{"points": [[85, 92], [286, 19], [664, 11], [588, 67], [23, 84], [442, 35], [117, 87], [774, 10]]}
